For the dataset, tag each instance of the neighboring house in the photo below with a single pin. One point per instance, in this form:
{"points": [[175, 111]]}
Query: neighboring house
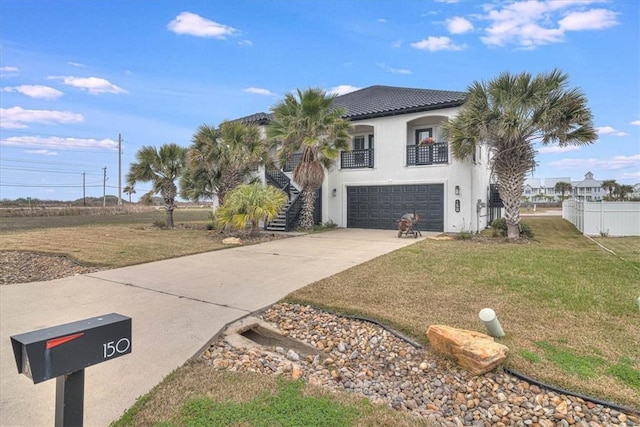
{"points": [[541, 190], [544, 190], [400, 164], [588, 189]]}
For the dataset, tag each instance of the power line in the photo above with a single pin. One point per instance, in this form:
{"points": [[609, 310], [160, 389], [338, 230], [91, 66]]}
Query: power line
{"points": [[31, 133], [44, 170], [44, 162], [49, 185]]}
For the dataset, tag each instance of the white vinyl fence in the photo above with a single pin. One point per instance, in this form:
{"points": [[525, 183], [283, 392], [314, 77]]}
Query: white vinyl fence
{"points": [[603, 218]]}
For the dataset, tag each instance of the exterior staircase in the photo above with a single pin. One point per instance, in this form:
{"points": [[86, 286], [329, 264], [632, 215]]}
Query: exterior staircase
{"points": [[288, 216]]}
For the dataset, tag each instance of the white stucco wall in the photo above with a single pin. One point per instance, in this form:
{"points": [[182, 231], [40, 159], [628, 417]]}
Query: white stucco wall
{"points": [[392, 134]]}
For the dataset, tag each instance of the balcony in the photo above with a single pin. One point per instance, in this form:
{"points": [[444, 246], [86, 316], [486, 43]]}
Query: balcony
{"points": [[292, 162], [356, 159], [427, 154]]}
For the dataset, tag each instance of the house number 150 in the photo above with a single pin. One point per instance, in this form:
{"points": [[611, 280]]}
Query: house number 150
{"points": [[113, 347]]}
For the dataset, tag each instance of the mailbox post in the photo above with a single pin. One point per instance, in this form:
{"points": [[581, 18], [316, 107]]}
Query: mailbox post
{"points": [[63, 351]]}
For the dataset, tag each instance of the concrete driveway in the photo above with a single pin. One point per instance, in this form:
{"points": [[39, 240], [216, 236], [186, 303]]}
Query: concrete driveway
{"points": [[177, 306]]}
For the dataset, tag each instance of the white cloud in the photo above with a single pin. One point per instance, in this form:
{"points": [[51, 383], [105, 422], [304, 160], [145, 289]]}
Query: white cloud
{"points": [[342, 89], [630, 176], [392, 70], [556, 149], [594, 19], [608, 130], [60, 143], [458, 25], [382, 20], [245, 43], [397, 44], [447, 1], [434, 44], [259, 91], [77, 64], [8, 71], [42, 152], [635, 123], [17, 117], [195, 25], [93, 85], [35, 91], [615, 163], [533, 23]]}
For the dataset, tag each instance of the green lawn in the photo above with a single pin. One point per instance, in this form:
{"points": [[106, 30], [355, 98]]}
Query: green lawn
{"points": [[568, 308], [561, 299]]}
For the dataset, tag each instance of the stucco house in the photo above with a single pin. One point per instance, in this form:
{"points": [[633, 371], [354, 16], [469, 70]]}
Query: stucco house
{"points": [[398, 164]]}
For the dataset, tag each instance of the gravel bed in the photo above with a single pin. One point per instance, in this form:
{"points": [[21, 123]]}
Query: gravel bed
{"points": [[24, 267], [369, 361]]}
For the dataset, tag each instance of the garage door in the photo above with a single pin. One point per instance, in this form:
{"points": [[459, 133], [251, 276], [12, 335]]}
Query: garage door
{"points": [[381, 206]]}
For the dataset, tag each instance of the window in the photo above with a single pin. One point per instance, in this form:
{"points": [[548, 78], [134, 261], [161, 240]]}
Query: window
{"points": [[358, 142], [424, 136]]}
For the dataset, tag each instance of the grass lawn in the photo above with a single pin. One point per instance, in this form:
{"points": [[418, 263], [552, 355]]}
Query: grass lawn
{"points": [[111, 240], [568, 308]]}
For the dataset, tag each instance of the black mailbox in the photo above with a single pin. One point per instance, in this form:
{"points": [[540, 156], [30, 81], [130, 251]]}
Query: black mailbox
{"points": [[64, 349]]}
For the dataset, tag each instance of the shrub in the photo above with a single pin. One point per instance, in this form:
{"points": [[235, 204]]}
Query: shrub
{"points": [[500, 225], [159, 223]]}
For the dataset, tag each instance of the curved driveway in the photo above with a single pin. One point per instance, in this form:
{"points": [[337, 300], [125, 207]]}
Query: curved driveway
{"points": [[177, 306]]}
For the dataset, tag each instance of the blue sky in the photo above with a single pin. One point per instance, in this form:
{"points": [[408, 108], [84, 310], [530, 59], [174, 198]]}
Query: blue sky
{"points": [[75, 74]]}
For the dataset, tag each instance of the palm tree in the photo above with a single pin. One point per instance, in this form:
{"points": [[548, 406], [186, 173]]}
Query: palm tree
{"points": [[308, 124], [160, 167], [129, 190], [622, 191], [609, 185], [221, 159], [562, 187], [511, 113], [250, 203]]}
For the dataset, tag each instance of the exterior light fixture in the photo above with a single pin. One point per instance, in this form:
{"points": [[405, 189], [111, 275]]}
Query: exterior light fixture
{"points": [[457, 190], [334, 192]]}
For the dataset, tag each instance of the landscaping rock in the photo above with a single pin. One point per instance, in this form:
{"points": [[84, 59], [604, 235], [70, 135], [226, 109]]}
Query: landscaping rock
{"points": [[232, 241], [418, 382], [474, 351]]}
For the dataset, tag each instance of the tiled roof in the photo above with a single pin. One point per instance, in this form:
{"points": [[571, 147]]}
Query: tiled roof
{"points": [[380, 101], [258, 118]]}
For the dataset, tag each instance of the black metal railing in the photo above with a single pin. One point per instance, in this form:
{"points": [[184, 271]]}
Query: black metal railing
{"points": [[293, 213], [291, 163], [356, 159], [278, 179], [427, 154]]}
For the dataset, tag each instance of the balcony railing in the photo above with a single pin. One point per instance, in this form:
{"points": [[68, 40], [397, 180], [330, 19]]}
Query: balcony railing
{"points": [[291, 163], [356, 159], [427, 154]]}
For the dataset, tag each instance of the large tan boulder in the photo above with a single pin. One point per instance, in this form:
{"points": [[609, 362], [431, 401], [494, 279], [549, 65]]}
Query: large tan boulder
{"points": [[232, 241], [474, 351]]}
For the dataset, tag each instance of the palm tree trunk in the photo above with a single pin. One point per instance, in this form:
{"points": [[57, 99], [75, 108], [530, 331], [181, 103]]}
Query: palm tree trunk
{"points": [[308, 205], [169, 220], [511, 187]]}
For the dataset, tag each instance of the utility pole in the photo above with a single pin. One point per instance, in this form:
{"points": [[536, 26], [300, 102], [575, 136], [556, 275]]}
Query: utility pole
{"points": [[84, 193], [119, 169], [104, 187]]}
